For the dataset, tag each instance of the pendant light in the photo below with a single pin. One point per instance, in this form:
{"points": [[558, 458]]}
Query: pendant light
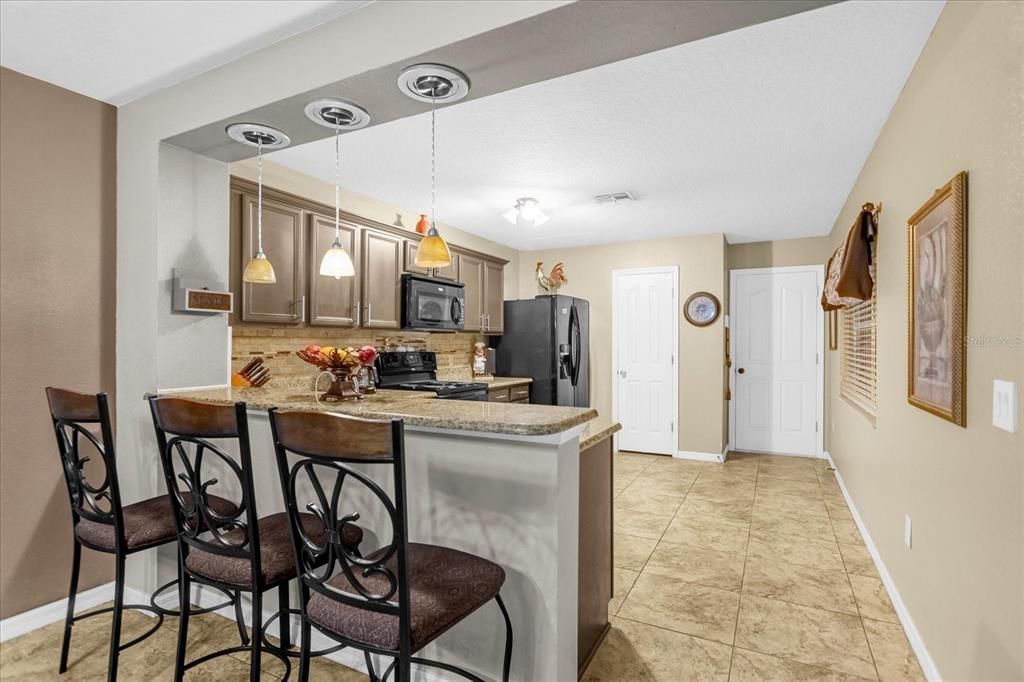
{"points": [[431, 83], [337, 262], [258, 270]]}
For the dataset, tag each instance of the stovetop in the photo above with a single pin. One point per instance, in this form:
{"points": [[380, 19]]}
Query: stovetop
{"points": [[417, 371], [440, 387]]}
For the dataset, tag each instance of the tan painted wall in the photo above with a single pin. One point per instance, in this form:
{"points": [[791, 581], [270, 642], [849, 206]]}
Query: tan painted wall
{"points": [[57, 241], [962, 580], [780, 254], [315, 189], [701, 262]]}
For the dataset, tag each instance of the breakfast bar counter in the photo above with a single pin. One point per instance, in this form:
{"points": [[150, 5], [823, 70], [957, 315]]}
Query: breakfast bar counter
{"points": [[507, 482]]}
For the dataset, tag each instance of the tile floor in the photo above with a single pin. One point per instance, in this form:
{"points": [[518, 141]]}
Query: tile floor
{"points": [[751, 570]]}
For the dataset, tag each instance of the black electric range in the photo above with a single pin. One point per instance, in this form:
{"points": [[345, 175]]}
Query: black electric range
{"points": [[417, 371]]}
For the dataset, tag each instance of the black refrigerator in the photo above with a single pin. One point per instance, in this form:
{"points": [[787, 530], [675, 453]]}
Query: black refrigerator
{"points": [[548, 339]]}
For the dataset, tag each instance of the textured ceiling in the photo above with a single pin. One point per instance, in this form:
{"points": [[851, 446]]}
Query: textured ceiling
{"points": [[119, 51], [758, 133]]}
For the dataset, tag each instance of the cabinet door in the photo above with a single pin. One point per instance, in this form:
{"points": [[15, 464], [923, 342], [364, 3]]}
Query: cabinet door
{"points": [[471, 274], [381, 280], [283, 242], [332, 302], [449, 272], [494, 298]]}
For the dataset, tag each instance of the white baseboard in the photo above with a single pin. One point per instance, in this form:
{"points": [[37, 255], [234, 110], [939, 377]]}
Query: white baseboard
{"points": [[700, 456], [931, 672], [53, 612]]}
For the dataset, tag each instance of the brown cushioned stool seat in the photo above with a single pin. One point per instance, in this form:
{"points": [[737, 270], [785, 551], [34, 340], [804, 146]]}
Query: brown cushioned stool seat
{"points": [[147, 523], [277, 559], [445, 585]]}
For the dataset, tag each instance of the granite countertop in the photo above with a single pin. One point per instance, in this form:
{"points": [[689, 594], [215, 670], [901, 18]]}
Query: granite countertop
{"points": [[504, 382], [414, 407], [597, 430]]}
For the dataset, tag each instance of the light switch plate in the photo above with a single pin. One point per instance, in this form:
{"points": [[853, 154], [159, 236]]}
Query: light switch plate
{"points": [[906, 530], [1004, 405]]}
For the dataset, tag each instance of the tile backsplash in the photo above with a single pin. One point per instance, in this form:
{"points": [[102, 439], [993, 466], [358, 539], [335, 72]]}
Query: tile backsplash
{"points": [[277, 346]]}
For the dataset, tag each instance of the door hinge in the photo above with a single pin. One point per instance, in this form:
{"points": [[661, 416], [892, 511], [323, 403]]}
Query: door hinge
{"points": [[672, 427], [817, 359], [815, 427], [673, 360]]}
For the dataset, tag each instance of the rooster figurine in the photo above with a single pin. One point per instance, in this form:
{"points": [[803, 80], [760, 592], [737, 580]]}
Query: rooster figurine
{"points": [[553, 282]]}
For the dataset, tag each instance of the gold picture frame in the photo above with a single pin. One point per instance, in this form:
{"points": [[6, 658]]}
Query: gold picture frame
{"points": [[937, 303]]}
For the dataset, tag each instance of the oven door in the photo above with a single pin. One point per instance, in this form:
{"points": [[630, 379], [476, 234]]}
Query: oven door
{"points": [[432, 305]]}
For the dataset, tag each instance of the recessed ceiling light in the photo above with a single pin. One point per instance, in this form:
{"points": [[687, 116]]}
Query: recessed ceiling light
{"points": [[434, 83], [332, 113], [257, 135]]}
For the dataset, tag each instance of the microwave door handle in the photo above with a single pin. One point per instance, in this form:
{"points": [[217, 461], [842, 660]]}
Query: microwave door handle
{"points": [[456, 310]]}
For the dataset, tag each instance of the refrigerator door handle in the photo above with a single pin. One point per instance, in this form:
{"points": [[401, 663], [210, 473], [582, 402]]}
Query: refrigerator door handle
{"points": [[576, 341]]}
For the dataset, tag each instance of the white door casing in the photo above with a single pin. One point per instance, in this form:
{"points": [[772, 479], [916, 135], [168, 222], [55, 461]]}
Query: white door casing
{"points": [[645, 325], [777, 333]]}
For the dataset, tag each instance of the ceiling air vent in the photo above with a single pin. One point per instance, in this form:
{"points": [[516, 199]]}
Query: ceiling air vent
{"points": [[614, 197]]}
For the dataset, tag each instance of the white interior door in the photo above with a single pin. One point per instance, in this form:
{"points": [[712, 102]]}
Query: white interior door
{"points": [[645, 320], [777, 332]]}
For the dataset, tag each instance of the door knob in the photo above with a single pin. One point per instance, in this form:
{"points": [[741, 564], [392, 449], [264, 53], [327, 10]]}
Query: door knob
{"points": [[741, 370], [622, 373]]}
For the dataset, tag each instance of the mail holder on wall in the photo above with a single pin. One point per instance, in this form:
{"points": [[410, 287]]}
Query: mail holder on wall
{"points": [[196, 293]]}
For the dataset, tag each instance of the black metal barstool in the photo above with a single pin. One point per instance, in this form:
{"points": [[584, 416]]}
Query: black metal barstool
{"points": [[237, 551], [100, 521], [392, 601]]}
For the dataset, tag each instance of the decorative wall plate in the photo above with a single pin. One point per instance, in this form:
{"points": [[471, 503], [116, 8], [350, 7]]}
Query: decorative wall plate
{"points": [[702, 309]]}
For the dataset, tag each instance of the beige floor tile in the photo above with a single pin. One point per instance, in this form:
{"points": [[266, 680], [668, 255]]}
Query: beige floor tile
{"points": [[742, 468], [792, 523], [636, 499], [697, 506], [846, 531], [750, 666], [787, 486], [636, 652], [799, 473], [873, 599], [795, 550], [857, 560], [712, 477], [716, 533], [683, 607], [813, 636], [697, 565], [630, 551], [837, 509], [786, 461], [894, 658], [768, 503], [623, 582], [641, 523], [664, 482], [797, 584], [679, 464]]}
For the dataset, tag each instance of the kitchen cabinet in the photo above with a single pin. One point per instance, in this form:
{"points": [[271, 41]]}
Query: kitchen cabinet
{"points": [[449, 273], [381, 272], [332, 302], [471, 274], [494, 298], [284, 243], [513, 394]]}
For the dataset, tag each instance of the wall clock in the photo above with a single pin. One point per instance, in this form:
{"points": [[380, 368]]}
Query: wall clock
{"points": [[701, 309]]}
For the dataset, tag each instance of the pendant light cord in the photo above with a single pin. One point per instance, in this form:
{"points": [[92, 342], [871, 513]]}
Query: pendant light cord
{"points": [[433, 157], [337, 183], [259, 196]]}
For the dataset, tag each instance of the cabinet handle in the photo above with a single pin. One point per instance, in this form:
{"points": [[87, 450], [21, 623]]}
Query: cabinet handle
{"points": [[302, 308], [369, 313], [356, 308]]}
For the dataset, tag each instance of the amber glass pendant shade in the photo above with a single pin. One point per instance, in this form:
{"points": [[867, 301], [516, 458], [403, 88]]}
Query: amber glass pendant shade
{"points": [[259, 270], [433, 251], [336, 262]]}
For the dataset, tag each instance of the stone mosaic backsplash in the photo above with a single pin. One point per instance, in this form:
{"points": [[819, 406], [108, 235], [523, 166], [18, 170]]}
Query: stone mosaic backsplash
{"points": [[277, 346]]}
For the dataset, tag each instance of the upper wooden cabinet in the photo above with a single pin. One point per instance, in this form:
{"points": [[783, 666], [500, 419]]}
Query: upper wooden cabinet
{"points": [[381, 275], [284, 243], [296, 234], [332, 302], [450, 272]]}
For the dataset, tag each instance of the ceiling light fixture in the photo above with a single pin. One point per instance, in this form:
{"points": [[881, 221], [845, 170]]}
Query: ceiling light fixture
{"points": [[526, 213], [433, 83], [337, 114], [259, 269]]}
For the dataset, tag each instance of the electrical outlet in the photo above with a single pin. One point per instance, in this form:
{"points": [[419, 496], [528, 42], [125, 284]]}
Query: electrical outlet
{"points": [[906, 530], [1004, 405]]}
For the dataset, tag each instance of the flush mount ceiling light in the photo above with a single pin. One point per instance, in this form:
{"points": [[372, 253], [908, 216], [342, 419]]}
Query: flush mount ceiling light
{"points": [[526, 212], [256, 135], [336, 113], [435, 83], [259, 269]]}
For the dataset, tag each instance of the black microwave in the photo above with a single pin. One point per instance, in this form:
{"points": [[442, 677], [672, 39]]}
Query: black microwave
{"points": [[432, 305]]}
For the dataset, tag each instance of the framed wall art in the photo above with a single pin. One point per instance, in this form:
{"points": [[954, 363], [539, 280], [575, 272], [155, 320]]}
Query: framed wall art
{"points": [[937, 303]]}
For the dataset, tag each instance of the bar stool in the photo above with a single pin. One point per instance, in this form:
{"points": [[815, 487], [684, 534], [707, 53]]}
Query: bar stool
{"points": [[392, 601], [238, 551], [100, 521]]}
